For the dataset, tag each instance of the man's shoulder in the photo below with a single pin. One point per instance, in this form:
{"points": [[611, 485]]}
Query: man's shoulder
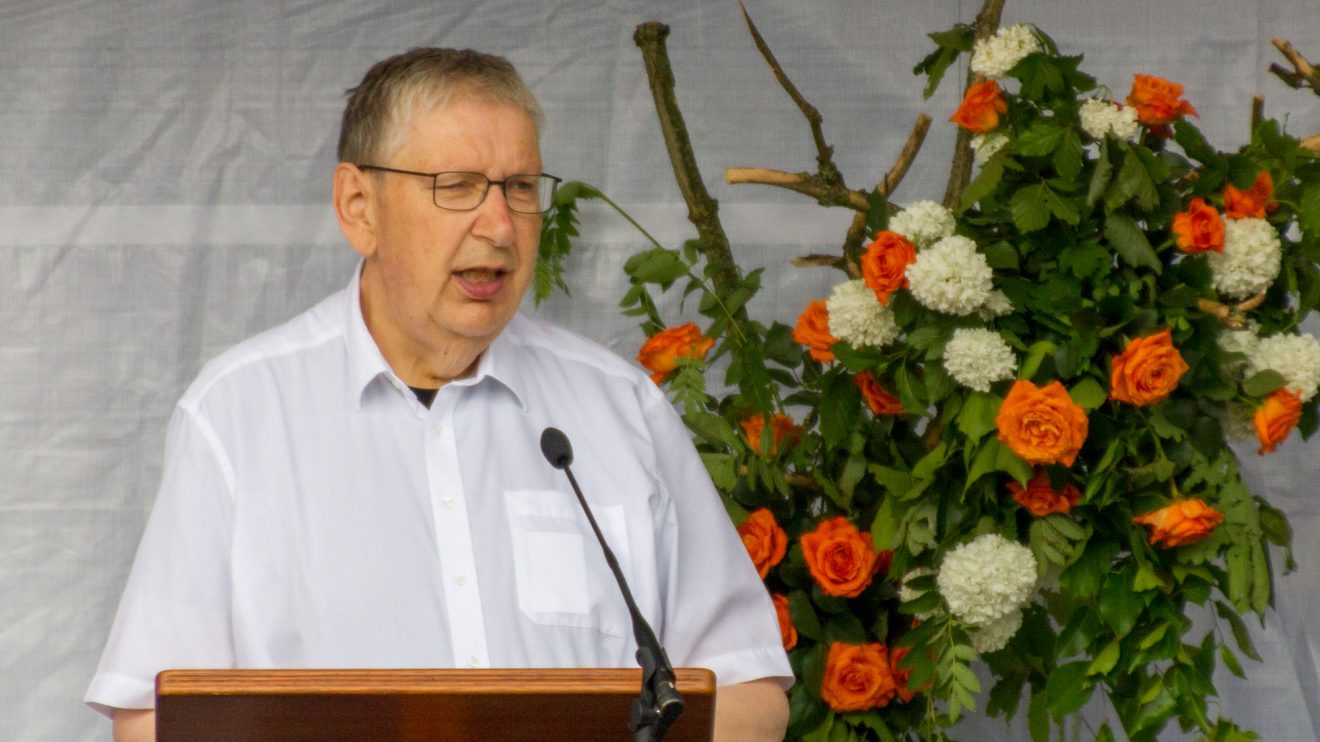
{"points": [[316, 329], [547, 342]]}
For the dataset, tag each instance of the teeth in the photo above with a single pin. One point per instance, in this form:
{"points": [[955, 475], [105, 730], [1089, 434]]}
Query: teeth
{"points": [[478, 274]]}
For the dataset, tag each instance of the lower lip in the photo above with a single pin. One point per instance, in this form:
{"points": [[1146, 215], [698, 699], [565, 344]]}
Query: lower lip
{"points": [[481, 290]]}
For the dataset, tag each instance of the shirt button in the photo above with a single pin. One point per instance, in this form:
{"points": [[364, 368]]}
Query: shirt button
{"points": [[449, 503], [439, 430], [461, 579], [474, 662]]}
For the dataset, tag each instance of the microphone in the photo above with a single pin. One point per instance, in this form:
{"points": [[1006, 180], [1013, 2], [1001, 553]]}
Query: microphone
{"points": [[660, 703]]}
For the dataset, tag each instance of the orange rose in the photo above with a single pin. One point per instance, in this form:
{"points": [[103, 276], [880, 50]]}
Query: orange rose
{"points": [[1040, 497], [1199, 228], [782, 429], [857, 677], [764, 540], [1042, 424], [1157, 100], [813, 331], [1147, 370], [884, 266], [787, 633], [1184, 522], [1253, 202], [980, 108], [880, 401], [661, 351], [841, 559], [1275, 419]]}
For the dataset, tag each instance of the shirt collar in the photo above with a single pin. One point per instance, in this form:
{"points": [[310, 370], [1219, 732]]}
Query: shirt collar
{"points": [[366, 364]]}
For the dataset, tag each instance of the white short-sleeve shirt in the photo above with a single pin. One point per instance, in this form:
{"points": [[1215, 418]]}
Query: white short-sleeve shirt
{"points": [[313, 513]]}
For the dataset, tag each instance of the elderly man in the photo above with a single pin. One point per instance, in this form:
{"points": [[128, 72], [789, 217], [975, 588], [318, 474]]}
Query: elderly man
{"points": [[363, 486]]}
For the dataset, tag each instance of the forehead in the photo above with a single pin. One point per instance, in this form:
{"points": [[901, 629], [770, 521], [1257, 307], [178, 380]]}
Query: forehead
{"points": [[469, 133]]}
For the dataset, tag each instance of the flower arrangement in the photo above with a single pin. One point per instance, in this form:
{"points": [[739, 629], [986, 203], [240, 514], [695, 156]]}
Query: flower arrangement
{"points": [[1004, 436]]}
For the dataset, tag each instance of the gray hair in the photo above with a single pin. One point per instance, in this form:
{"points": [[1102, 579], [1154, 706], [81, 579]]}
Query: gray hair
{"points": [[397, 88]]}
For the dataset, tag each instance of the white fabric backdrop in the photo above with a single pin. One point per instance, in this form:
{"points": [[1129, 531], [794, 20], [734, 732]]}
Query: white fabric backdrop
{"points": [[165, 193]]}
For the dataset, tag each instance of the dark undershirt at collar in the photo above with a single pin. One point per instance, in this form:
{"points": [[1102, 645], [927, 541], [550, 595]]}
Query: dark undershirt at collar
{"points": [[425, 396]]}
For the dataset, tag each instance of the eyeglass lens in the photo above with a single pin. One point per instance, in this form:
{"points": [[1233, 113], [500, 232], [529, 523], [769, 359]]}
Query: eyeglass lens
{"points": [[525, 194]]}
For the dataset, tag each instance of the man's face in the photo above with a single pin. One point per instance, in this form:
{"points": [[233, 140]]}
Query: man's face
{"points": [[437, 283]]}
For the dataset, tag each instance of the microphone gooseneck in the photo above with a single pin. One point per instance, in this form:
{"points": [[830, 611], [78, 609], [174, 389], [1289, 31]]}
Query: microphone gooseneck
{"points": [[660, 702]]}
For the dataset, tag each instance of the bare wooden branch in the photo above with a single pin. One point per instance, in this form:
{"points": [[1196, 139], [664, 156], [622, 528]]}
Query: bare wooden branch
{"points": [[1257, 111], [1232, 316], [905, 157], [1303, 74], [960, 171], [824, 152], [703, 210], [1312, 142], [804, 183]]}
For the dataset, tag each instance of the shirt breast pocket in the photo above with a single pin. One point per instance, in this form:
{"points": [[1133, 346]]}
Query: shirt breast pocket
{"points": [[561, 574]]}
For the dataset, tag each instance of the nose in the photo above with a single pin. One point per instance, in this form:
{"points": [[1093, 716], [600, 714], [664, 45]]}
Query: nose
{"points": [[494, 221]]}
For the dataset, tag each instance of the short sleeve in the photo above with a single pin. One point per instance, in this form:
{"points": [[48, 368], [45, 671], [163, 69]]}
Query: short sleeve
{"points": [[175, 610], [718, 614]]}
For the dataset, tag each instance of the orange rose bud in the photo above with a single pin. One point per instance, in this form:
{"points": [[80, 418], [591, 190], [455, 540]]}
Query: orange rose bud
{"points": [[857, 677], [880, 401], [840, 558], [980, 108], [782, 429], [787, 632], [1042, 424], [1184, 522], [660, 353], [1157, 100], [900, 676], [764, 540], [1275, 419], [1251, 203], [884, 265], [813, 331], [1040, 498], [1147, 370], [1199, 228]]}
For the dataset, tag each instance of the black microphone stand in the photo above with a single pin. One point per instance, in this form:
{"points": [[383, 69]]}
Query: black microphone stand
{"points": [[659, 704]]}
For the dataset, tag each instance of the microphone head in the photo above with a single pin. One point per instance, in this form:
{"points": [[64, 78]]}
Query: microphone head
{"points": [[556, 448]]}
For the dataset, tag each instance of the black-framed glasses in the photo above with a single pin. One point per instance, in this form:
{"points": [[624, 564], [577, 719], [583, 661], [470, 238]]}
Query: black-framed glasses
{"points": [[462, 191]]}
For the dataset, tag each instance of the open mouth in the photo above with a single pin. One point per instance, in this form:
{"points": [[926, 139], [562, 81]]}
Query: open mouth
{"points": [[481, 275]]}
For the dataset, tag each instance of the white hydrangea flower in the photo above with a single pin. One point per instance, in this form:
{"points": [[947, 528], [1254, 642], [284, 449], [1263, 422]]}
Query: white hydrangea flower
{"points": [[996, 55], [923, 222], [976, 358], [985, 146], [1295, 357], [994, 636], [950, 276], [1101, 117], [1250, 260], [986, 579], [858, 317], [997, 305]]}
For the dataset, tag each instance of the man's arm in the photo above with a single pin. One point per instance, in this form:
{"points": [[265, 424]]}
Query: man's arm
{"points": [[751, 711], [135, 725]]}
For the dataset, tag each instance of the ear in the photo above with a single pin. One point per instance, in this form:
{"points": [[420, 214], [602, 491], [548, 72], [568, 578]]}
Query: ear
{"points": [[354, 198]]}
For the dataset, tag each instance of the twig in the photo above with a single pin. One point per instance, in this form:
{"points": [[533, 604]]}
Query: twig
{"points": [[1303, 74], [1257, 111], [960, 171], [703, 210], [1234, 317], [825, 166], [804, 183], [1312, 142]]}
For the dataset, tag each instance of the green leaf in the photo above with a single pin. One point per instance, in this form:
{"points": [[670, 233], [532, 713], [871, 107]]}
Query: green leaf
{"points": [[1231, 661], [877, 212], [1261, 383], [1041, 138], [885, 528], [1009, 463], [804, 616], [978, 413], [1308, 210], [1068, 689], [985, 182], [1127, 239], [1194, 144], [1105, 660], [1035, 354], [1038, 717], [1030, 212], [1101, 176], [1062, 208], [840, 408], [1068, 156], [712, 429], [1119, 605], [720, 466], [1088, 394], [660, 265]]}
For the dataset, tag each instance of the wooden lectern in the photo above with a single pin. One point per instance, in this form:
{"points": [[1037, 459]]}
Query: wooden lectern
{"points": [[415, 705]]}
